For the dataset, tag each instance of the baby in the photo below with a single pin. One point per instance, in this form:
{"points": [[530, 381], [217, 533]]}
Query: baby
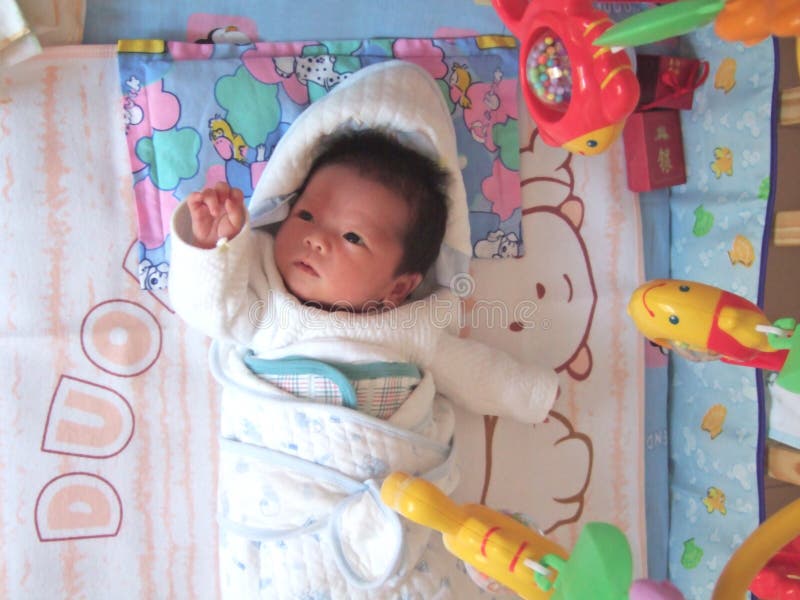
{"points": [[336, 361], [366, 224]]}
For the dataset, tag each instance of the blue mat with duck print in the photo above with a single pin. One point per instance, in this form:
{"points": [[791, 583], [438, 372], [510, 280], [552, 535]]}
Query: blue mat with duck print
{"points": [[718, 237]]}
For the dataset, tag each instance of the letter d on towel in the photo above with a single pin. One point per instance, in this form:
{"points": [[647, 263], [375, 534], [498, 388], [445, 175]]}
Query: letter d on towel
{"points": [[77, 506]]}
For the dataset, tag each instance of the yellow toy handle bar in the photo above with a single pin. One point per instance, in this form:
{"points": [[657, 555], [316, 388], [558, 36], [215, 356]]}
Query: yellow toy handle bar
{"points": [[492, 542], [773, 534]]}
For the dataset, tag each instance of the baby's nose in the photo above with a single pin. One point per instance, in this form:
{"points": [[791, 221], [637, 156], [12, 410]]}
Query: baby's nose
{"points": [[317, 242]]}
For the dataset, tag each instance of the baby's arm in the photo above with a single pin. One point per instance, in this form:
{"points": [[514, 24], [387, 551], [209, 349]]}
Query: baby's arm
{"points": [[488, 381], [215, 288]]}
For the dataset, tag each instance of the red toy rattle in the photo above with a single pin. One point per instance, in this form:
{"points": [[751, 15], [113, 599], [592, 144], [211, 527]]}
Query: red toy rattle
{"points": [[578, 94]]}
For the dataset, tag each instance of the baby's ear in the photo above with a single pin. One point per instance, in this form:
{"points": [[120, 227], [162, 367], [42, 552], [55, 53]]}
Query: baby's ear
{"points": [[402, 287]]}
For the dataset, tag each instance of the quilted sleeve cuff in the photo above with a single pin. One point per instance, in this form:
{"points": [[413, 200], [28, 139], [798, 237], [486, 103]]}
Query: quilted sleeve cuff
{"points": [[207, 286], [488, 381]]}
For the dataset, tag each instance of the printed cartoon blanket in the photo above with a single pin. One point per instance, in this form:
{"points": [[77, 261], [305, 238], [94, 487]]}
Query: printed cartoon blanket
{"points": [[197, 114]]}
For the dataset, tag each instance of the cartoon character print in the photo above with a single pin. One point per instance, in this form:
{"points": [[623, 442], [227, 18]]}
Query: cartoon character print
{"points": [[317, 69], [460, 81], [493, 104], [725, 78], [723, 162], [229, 34], [692, 554], [570, 284], [498, 244], [231, 147], [715, 500], [550, 312], [144, 273], [133, 113], [559, 500], [153, 277], [703, 221], [742, 251], [714, 420]]}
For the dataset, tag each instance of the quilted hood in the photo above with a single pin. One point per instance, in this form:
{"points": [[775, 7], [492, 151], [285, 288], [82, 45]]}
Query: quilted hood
{"points": [[397, 96]]}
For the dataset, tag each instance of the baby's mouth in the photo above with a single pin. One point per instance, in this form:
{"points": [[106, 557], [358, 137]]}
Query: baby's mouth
{"points": [[306, 268]]}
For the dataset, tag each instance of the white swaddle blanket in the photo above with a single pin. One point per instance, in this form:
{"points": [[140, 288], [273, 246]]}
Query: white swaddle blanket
{"points": [[300, 513]]}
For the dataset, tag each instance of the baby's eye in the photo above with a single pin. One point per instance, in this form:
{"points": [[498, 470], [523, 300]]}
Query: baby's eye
{"points": [[351, 237], [305, 215]]}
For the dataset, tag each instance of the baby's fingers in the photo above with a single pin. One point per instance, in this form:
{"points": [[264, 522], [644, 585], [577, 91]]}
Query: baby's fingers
{"points": [[234, 206], [195, 202], [198, 208], [211, 200], [223, 189]]}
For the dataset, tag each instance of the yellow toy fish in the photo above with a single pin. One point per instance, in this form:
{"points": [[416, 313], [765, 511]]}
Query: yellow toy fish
{"points": [[723, 162], [715, 500], [696, 319]]}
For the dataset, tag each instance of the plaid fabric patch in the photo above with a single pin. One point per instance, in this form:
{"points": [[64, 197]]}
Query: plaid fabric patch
{"points": [[382, 397], [311, 387], [379, 397]]}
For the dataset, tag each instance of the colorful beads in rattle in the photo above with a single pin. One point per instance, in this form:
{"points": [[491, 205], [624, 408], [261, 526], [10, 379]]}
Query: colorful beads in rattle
{"points": [[548, 71]]}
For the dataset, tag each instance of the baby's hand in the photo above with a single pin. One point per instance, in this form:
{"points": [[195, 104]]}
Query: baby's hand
{"points": [[216, 213]]}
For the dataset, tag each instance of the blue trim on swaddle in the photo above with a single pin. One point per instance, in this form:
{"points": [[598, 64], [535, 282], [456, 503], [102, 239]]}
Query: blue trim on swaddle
{"points": [[393, 520], [304, 366], [340, 374], [353, 371], [280, 397]]}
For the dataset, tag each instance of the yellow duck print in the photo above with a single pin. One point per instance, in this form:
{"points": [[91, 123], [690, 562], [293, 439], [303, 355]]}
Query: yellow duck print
{"points": [[714, 419], [725, 77], [220, 128], [723, 162], [715, 500], [461, 80], [742, 251]]}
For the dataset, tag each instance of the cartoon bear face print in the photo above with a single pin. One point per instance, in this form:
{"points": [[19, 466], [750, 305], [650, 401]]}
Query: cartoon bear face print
{"points": [[540, 306]]}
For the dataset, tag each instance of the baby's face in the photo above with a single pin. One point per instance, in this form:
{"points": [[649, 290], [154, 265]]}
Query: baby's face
{"points": [[342, 242]]}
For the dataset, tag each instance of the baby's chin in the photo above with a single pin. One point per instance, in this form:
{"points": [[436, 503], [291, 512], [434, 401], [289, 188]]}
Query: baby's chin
{"points": [[311, 295], [309, 298], [332, 305]]}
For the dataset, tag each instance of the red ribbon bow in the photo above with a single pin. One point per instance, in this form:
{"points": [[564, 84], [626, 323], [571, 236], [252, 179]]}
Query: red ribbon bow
{"points": [[691, 82]]}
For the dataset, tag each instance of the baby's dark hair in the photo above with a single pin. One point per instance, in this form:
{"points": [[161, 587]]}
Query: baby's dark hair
{"points": [[418, 179]]}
